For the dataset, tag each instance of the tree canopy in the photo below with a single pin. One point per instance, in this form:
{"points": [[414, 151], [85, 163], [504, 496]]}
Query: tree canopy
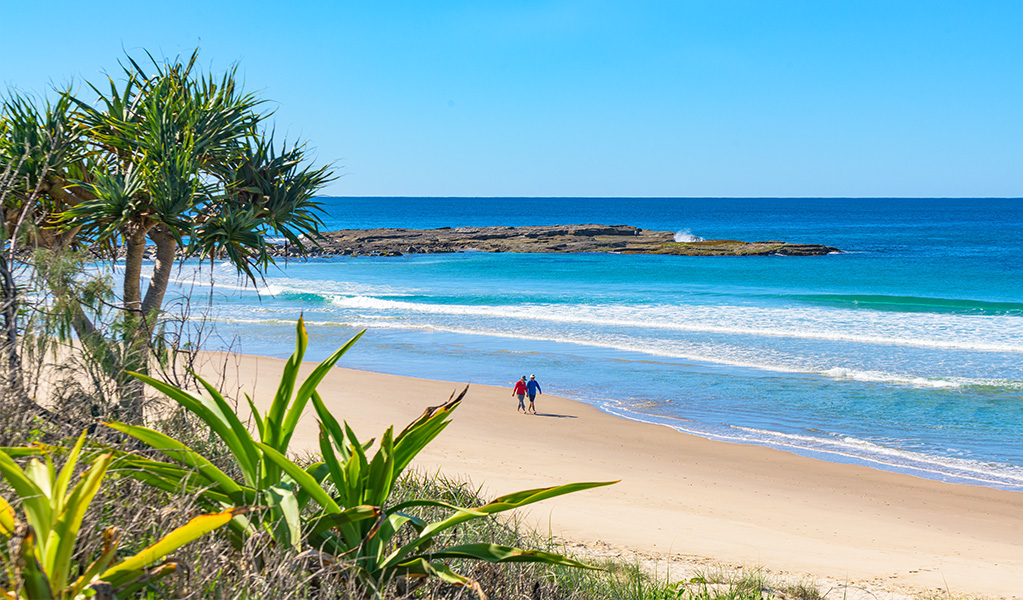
{"points": [[165, 159]]}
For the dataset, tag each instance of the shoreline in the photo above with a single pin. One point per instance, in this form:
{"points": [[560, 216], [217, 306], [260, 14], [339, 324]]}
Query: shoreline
{"points": [[734, 503], [916, 467]]}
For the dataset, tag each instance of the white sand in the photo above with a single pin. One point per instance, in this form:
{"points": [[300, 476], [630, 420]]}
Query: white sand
{"points": [[681, 494]]}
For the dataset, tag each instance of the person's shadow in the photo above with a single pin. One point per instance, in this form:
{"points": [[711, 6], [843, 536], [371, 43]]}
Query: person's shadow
{"points": [[554, 416]]}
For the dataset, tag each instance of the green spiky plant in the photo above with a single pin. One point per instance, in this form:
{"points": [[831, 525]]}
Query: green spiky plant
{"points": [[397, 545], [337, 508], [39, 553], [263, 482]]}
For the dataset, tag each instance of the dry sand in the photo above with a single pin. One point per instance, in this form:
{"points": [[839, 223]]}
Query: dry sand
{"points": [[682, 495]]}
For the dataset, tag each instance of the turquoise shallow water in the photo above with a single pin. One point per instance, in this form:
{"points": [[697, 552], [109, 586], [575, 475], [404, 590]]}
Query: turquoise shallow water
{"points": [[902, 353]]}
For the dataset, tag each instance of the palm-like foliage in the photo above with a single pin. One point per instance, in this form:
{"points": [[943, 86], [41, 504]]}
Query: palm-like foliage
{"points": [[39, 555], [340, 506], [38, 149], [169, 157]]}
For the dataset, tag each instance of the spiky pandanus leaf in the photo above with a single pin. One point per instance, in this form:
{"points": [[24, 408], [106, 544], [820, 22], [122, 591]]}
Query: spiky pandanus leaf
{"points": [[500, 504], [128, 569], [180, 453], [218, 416]]}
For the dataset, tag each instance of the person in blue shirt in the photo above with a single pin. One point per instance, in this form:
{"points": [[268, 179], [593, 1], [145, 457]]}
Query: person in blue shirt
{"points": [[532, 389]]}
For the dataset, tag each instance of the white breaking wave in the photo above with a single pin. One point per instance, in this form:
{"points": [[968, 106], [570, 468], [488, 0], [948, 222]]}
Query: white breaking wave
{"points": [[981, 472], [734, 356], [684, 235], [955, 332], [932, 466], [913, 381]]}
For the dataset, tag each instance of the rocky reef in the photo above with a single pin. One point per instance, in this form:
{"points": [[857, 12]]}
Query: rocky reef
{"points": [[622, 239]]}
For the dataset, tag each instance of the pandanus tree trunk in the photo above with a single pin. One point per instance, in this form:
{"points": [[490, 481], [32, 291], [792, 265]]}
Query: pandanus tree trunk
{"points": [[166, 248], [143, 313], [134, 354], [135, 252]]}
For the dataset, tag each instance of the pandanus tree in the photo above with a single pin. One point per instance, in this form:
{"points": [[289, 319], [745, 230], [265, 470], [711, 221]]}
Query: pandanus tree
{"points": [[179, 161], [37, 145]]}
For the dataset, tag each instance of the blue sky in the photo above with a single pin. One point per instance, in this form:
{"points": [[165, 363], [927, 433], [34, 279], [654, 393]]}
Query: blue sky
{"points": [[565, 98]]}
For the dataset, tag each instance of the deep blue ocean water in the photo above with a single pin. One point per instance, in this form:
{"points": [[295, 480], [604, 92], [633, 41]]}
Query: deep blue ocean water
{"points": [[903, 352]]}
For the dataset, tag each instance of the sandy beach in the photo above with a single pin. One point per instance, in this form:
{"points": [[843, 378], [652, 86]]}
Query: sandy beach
{"points": [[688, 496]]}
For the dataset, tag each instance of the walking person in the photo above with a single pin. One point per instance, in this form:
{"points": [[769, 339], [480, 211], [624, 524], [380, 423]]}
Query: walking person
{"points": [[520, 391], [532, 389]]}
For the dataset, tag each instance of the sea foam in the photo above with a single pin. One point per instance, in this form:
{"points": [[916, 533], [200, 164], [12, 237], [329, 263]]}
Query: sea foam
{"points": [[685, 235]]}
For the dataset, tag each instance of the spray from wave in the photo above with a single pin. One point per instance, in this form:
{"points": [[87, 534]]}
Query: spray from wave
{"points": [[685, 235]]}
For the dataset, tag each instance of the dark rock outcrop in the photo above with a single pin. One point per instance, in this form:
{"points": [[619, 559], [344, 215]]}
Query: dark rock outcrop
{"points": [[622, 239]]}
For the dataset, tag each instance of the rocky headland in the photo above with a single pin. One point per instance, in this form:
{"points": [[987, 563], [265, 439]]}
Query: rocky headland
{"points": [[621, 239]]}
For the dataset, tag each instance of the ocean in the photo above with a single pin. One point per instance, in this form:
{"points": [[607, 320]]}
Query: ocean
{"points": [[902, 353]]}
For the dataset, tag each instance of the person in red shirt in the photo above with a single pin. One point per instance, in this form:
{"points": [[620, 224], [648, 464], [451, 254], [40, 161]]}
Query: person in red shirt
{"points": [[520, 391]]}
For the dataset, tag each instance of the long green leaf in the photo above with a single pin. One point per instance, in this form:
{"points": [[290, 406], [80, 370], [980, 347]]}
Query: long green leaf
{"points": [[284, 501], [501, 504], [23, 451], [216, 421], [381, 472], [176, 478], [255, 416], [380, 542], [303, 479], [147, 577], [355, 469], [320, 473], [275, 416], [191, 531], [43, 475], [61, 485], [420, 567], [337, 473], [227, 414], [33, 501], [436, 504], [355, 514], [33, 577], [307, 389], [517, 499], [179, 452], [327, 420], [192, 485], [7, 517], [419, 433], [60, 542], [505, 554]]}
